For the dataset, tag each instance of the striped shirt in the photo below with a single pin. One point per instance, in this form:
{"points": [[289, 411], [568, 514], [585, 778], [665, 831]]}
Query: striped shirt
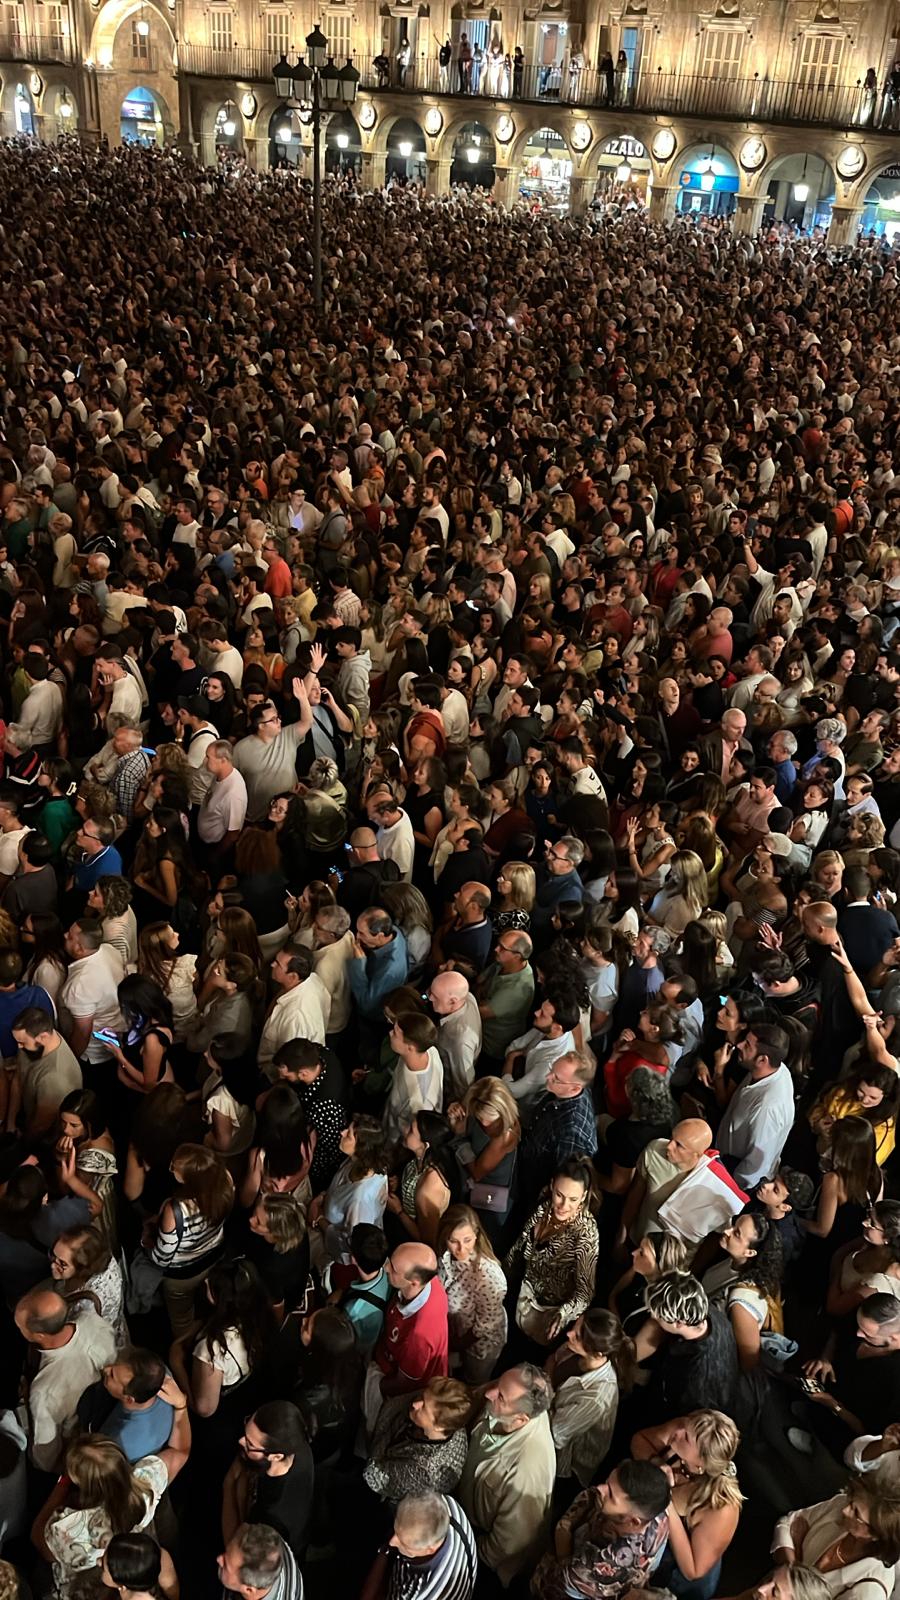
{"points": [[449, 1574], [193, 1243]]}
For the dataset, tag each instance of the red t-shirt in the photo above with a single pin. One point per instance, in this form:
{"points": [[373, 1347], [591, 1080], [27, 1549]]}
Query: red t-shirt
{"points": [[415, 1348], [615, 1075]]}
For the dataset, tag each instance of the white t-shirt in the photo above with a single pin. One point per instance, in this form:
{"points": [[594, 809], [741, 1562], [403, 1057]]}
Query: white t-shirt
{"points": [[90, 991], [9, 850]]}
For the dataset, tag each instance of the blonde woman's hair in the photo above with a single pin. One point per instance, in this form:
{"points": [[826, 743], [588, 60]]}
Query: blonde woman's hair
{"points": [[717, 1442], [489, 1094], [522, 883], [671, 1253], [687, 875], [104, 1478], [285, 1220], [826, 858], [715, 921], [171, 758], [545, 591], [464, 1217]]}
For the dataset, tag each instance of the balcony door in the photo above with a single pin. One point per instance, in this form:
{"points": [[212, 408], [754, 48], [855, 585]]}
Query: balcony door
{"points": [[720, 66]]}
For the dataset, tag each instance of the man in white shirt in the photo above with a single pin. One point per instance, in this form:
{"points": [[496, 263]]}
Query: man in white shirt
{"points": [[459, 1031], [584, 779], [455, 712], [192, 721], [41, 716], [536, 1050], [396, 840], [224, 809], [89, 999], [302, 1009], [12, 833], [218, 654], [333, 948], [73, 1355], [760, 1114], [122, 697], [186, 525]]}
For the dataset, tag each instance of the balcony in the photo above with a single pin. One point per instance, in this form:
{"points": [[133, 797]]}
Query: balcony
{"points": [[659, 93], [38, 49], [239, 62], [668, 94]]}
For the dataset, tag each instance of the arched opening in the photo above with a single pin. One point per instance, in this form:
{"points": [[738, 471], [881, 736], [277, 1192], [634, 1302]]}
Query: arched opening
{"points": [[23, 111], [229, 133], [800, 192], [141, 118], [881, 207], [343, 151], [285, 146], [546, 174], [405, 152], [623, 175], [473, 157], [61, 109], [709, 181]]}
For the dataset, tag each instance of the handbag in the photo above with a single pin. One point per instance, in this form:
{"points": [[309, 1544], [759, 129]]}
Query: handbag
{"points": [[489, 1197], [144, 1276]]}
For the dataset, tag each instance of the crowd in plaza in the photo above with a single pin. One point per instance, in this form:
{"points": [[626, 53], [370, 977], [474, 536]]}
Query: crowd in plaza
{"points": [[449, 865]]}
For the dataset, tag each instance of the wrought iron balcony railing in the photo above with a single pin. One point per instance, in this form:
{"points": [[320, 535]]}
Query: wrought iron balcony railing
{"points": [[759, 99]]}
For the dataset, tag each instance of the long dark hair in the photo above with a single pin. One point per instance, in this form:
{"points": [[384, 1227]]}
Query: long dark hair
{"points": [[240, 1301], [602, 1334], [141, 1000], [331, 1360], [436, 1132], [49, 937], [282, 1131], [853, 1158], [169, 846]]}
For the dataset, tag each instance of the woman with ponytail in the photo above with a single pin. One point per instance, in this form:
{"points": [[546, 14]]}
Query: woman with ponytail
{"points": [[589, 1372]]}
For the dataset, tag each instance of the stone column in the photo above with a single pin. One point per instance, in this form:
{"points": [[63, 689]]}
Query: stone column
{"points": [[437, 176], [504, 187], [370, 162], [661, 207], [748, 213], [580, 191], [844, 224], [186, 139]]}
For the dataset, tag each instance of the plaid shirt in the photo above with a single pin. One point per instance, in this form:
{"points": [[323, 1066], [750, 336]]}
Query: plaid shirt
{"points": [[559, 1128], [131, 770]]}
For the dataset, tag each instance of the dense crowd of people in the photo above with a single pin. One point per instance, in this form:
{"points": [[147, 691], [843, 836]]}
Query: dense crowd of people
{"points": [[449, 863]]}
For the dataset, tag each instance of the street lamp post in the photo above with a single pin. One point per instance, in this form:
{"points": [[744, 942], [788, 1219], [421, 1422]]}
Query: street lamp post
{"points": [[322, 88]]}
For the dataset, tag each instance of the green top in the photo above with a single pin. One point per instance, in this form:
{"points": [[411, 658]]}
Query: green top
{"points": [[510, 996], [57, 821]]}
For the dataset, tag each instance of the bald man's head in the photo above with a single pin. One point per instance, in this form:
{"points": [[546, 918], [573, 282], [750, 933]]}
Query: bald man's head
{"points": [[42, 1316], [690, 1140], [410, 1268], [363, 841], [734, 724], [448, 993]]}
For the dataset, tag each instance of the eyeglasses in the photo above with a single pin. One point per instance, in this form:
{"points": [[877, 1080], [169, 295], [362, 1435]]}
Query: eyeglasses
{"points": [[268, 722]]}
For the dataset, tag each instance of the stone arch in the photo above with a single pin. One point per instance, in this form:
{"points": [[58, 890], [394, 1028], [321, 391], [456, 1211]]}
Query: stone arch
{"points": [[876, 167], [11, 122], [110, 19], [386, 124], [595, 158], [58, 93], [724, 168], [209, 113], [790, 166], [552, 119], [159, 101]]}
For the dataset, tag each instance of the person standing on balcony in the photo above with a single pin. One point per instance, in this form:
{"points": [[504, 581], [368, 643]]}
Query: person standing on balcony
{"points": [[404, 57], [519, 72], [465, 64], [383, 67], [576, 67], [477, 64], [621, 79], [891, 97], [869, 99], [445, 56], [607, 78]]}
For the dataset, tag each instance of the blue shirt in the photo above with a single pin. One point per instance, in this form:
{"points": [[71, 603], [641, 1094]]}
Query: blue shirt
{"points": [[367, 1320], [140, 1433], [12, 1004], [785, 780], [105, 862]]}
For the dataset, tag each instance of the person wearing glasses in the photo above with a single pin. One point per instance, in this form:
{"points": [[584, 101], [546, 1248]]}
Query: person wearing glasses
{"points": [[266, 758], [271, 1478], [558, 880], [99, 856]]}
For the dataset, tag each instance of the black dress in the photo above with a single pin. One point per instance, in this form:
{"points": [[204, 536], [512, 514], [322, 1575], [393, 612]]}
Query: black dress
{"points": [[417, 807]]}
